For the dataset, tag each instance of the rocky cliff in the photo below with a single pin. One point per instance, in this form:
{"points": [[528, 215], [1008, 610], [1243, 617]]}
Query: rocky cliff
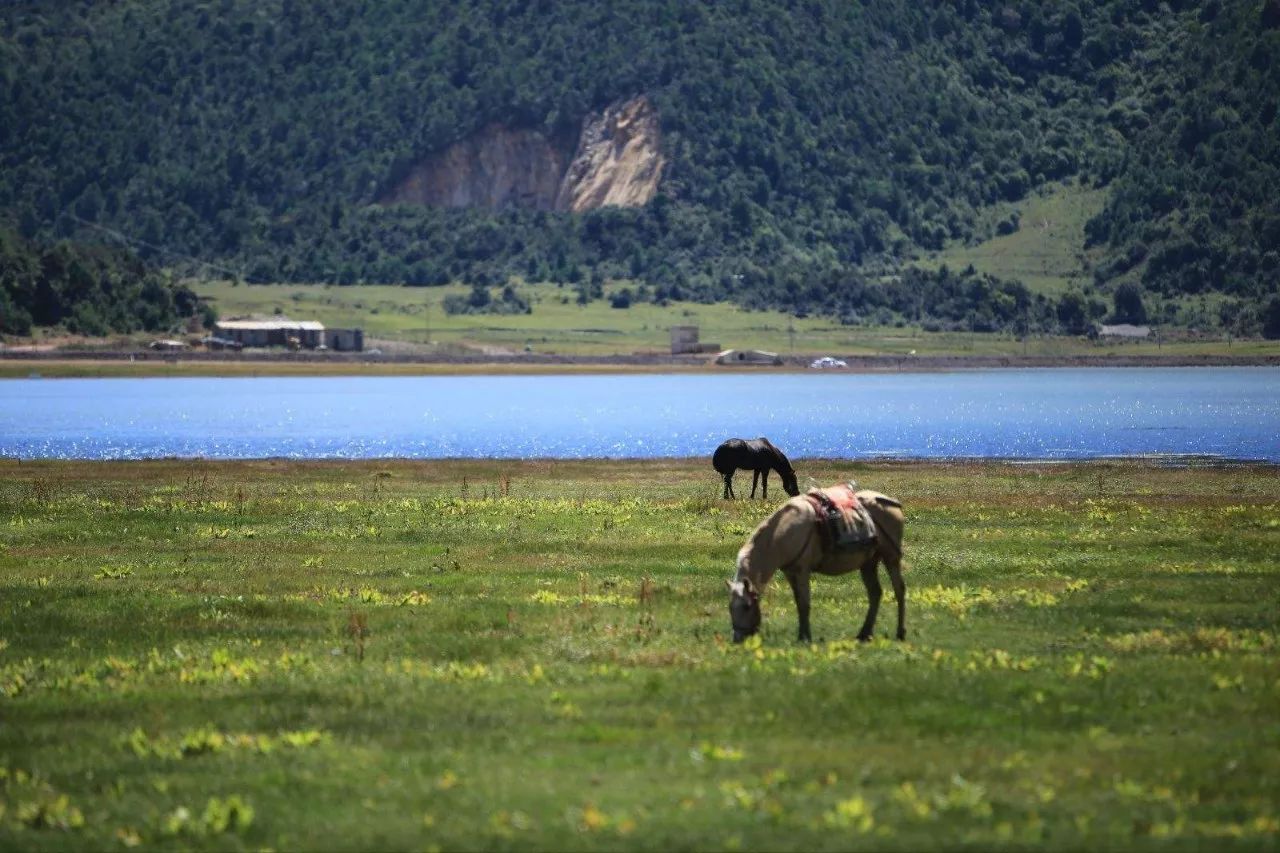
{"points": [[616, 159]]}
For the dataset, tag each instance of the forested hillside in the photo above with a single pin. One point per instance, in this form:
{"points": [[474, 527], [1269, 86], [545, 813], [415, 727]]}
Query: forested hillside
{"points": [[813, 148], [88, 290]]}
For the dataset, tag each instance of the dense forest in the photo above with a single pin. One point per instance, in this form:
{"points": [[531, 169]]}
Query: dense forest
{"points": [[815, 149], [88, 290]]}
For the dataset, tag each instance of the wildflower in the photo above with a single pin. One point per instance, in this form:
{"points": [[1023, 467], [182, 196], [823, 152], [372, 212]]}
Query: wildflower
{"points": [[853, 813]]}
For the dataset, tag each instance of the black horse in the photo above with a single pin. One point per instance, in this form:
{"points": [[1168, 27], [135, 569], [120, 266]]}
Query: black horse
{"points": [[758, 456]]}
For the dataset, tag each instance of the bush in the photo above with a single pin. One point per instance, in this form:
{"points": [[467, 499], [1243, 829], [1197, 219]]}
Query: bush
{"points": [[13, 320], [1271, 319], [481, 302], [1128, 304]]}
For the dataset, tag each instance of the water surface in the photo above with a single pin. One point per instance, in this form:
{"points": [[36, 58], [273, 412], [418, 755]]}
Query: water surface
{"points": [[1019, 414]]}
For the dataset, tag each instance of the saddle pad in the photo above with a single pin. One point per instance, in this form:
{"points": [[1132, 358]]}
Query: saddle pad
{"points": [[846, 522]]}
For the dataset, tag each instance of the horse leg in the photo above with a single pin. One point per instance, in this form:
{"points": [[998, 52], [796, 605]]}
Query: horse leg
{"points": [[871, 580], [800, 589], [728, 485], [764, 480], [900, 594], [755, 476]]}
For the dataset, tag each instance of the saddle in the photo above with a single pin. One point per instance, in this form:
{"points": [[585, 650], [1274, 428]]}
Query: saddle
{"points": [[843, 521]]}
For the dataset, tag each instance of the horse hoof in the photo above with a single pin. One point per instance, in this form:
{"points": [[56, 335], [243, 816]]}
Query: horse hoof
{"points": [[865, 638]]}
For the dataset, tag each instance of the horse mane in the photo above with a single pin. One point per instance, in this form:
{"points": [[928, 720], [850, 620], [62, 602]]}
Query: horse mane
{"points": [[763, 536], [783, 463]]}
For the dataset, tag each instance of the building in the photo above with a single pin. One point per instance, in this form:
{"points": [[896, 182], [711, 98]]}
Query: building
{"points": [[279, 332], [684, 339], [217, 344], [344, 340], [749, 357], [1124, 330]]}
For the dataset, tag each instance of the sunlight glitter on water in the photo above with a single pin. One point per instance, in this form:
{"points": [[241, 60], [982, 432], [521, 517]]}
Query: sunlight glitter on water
{"points": [[1016, 414]]}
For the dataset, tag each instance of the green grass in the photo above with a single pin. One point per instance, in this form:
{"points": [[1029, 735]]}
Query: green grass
{"points": [[559, 325], [1045, 253], [516, 655]]}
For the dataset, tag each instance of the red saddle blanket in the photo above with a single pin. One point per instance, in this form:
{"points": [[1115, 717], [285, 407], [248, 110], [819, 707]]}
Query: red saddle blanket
{"points": [[844, 520]]}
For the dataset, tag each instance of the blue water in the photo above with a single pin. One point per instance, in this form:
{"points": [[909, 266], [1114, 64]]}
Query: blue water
{"points": [[1021, 414]]}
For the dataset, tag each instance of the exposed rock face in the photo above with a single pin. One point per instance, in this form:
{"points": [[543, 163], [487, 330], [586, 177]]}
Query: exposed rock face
{"points": [[616, 160], [493, 169]]}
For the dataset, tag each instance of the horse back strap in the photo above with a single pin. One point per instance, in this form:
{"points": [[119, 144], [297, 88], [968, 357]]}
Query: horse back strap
{"points": [[841, 526], [824, 509]]}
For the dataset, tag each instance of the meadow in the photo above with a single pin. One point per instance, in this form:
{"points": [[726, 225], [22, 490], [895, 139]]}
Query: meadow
{"points": [[1044, 252], [532, 655], [413, 319]]}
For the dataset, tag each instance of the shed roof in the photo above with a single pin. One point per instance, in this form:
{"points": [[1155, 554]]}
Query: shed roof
{"points": [[1126, 330], [284, 324]]}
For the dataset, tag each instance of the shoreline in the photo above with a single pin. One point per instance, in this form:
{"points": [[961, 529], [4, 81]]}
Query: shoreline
{"points": [[1171, 461], [88, 364]]}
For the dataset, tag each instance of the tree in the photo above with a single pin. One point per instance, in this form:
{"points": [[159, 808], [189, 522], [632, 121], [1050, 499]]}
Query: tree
{"points": [[479, 298], [1128, 307], [1271, 319], [13, 319], [1073, 314]]}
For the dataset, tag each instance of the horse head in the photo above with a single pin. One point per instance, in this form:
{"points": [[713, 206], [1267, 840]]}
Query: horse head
{"points": [[744, 608], [789, 482]]}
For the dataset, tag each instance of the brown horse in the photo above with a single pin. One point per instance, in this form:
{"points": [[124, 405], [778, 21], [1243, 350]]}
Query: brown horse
{"points": [[791, 540], [757, 455]]}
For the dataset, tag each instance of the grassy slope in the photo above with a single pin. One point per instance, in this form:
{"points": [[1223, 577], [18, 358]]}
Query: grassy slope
{"points": [[1046, 253], [1092, 661]]}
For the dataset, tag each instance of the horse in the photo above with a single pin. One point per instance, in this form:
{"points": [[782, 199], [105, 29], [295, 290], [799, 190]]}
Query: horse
{"points": [[791, 540], [760, 457]]}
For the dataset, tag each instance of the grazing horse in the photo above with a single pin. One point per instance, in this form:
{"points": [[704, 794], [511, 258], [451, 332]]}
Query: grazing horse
{"points": [[760, 457], [791, 540]]}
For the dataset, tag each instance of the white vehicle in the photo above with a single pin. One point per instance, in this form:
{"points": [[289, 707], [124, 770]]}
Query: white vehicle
{"points": [[827, 361]]}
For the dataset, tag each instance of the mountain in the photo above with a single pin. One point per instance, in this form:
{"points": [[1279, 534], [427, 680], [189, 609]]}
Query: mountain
{"points": [[795, 155]]}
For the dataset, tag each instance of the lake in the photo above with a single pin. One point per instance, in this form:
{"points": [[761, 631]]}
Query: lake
{"points": [[1014, 414]]}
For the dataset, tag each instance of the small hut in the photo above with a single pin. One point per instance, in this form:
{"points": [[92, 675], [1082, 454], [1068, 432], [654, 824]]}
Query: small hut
{"points": [[684, 340], [344, 340]]}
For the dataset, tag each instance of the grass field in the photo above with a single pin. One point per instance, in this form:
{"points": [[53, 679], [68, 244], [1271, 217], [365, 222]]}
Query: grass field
{"points": [[414, 315], [531, 655]]}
